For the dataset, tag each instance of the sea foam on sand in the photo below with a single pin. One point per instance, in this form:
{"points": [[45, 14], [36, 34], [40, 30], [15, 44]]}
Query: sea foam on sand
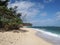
{"points": [[48, 36]]}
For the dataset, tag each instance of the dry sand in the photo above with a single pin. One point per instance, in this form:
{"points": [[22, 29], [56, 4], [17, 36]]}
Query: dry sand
{"points": [[25, 37]]}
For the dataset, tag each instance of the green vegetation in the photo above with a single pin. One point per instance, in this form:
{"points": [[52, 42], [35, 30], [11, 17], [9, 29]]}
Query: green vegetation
{"points": [[9, 19]]}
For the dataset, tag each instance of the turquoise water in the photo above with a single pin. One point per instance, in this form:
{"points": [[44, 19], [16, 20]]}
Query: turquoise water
{"points": [[50, 34], [55, 30]]}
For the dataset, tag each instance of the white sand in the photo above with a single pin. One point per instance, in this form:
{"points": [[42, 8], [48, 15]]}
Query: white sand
{"points": [[22, 38]]}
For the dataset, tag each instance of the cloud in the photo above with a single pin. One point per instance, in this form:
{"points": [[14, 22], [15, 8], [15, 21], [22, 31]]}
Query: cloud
{"points": [[58, 15], [54, 21], [47, 1], [26, 5], [43, 14], [30, 9], [43, 22]]}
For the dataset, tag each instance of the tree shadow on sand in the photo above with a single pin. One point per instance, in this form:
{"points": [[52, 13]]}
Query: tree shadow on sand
{"points": [[18, 31], [14, 30]]}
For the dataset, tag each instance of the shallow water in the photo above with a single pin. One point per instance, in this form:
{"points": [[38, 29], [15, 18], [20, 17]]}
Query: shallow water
{"points": [[48, 36], [55, 30]]}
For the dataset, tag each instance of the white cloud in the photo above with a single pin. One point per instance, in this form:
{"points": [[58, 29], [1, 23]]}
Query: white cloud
{"points": [[47, 1], [30, 9], [27, 8], [58, 15], [44, 22], [43, 14]]}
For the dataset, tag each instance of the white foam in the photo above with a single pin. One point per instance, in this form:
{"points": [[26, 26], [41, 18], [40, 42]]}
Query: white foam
{"points": [[48, 36], [49, 33], [46, 32]]}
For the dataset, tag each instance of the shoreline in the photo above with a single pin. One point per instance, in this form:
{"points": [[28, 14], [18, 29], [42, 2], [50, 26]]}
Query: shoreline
{"points": [[33, 32], [22, 38], [47, 36]]}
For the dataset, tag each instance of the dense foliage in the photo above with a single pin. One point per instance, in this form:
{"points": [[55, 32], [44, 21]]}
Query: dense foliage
{"points": [[9, 19]]}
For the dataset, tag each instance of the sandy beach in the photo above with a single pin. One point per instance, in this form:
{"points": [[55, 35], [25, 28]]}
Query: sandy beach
{"points": [[25, 37]]}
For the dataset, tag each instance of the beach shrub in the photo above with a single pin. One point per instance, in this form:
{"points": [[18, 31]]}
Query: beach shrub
{"points": [[9, 19]]}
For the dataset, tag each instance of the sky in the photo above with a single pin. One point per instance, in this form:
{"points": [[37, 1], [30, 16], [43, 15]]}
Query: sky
{"points": [[38, 12]]}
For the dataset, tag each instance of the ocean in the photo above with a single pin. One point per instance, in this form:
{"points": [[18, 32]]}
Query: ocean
{"points": [[50, 34], [55, 30]]}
